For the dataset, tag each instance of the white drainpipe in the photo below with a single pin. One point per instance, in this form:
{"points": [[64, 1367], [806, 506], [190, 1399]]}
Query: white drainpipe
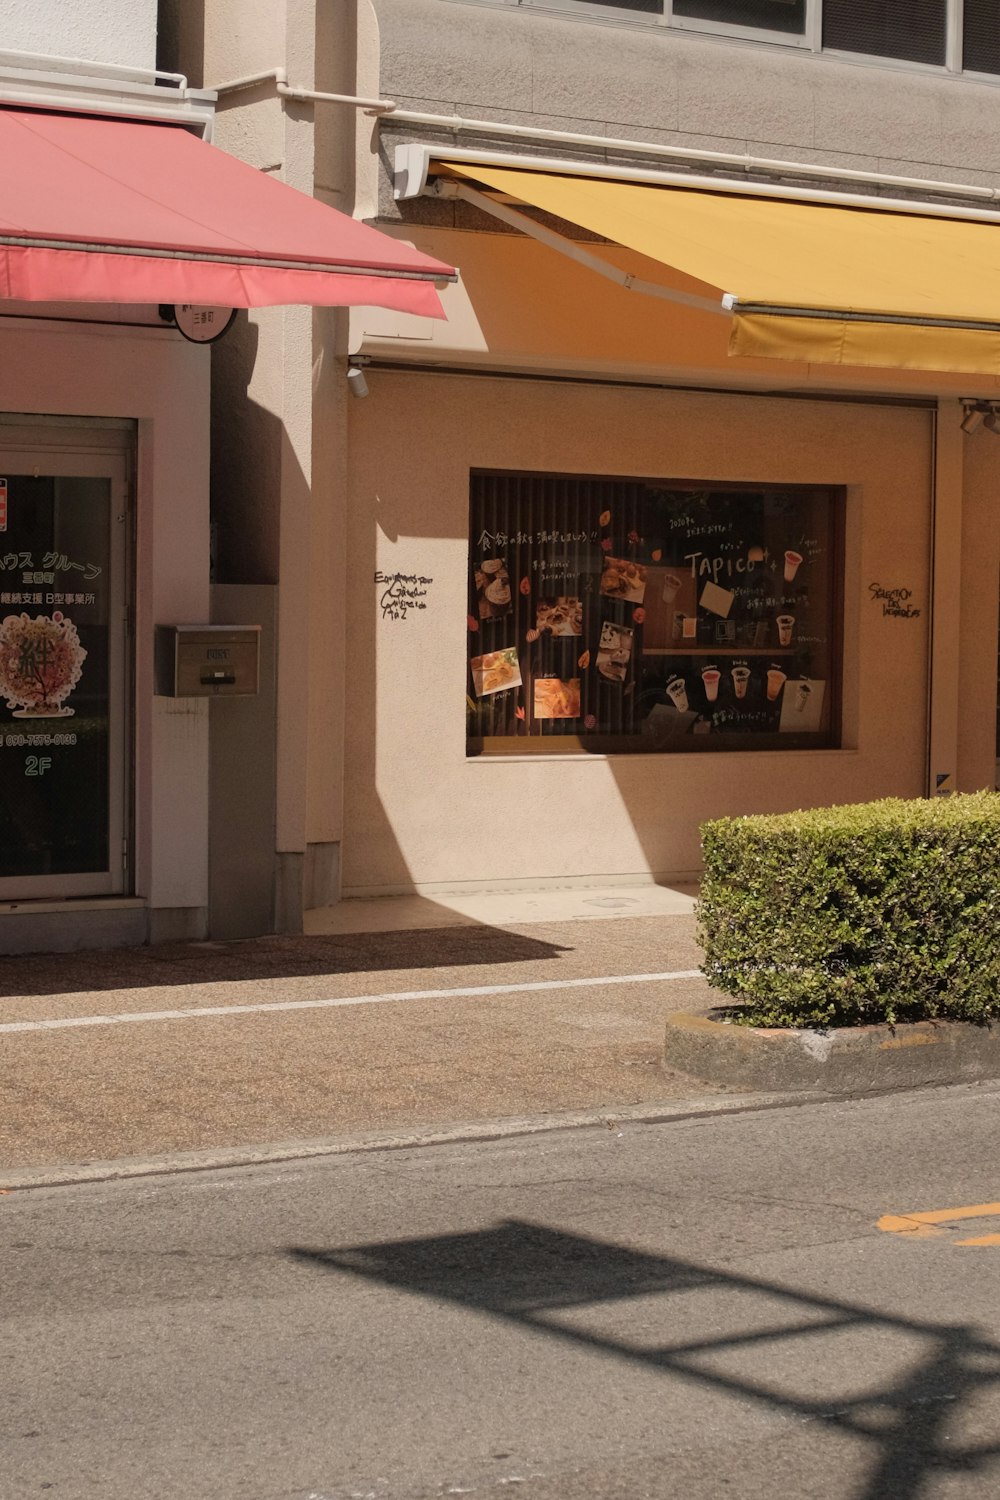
{"points": [[89, 68], [286, 91]]}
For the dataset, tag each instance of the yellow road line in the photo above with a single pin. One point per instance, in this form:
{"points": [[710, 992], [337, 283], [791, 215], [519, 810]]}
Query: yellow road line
{"points": [[923, 1226]]}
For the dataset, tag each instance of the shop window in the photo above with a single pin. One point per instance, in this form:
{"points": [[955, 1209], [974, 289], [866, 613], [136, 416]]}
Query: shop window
{"points": [[636, 616]]}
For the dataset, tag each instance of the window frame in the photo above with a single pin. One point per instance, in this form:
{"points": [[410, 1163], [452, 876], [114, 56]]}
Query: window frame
{"points": [[811, 39]]}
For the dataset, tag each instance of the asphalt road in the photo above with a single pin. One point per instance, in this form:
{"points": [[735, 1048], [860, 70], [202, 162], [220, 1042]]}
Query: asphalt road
{"points": [[697, 1310]]}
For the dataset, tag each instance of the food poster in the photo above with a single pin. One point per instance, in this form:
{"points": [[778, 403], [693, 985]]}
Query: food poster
{"points": [[561, 616], [802, 706], [493, 588], [623, 578], [614, 651], [681, 613], [555, 698], [496, 672], [671, 605], [55, 614]]}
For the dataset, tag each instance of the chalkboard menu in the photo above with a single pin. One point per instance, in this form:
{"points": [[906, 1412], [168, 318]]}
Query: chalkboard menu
{"points": [[637, 615]]}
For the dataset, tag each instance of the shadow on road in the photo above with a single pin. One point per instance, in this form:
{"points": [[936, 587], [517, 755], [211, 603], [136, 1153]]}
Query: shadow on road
{"points": [[533, 1276]]}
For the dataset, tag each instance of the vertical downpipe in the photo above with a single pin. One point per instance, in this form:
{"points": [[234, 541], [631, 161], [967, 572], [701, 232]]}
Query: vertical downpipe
{"points": [[944, 605]]}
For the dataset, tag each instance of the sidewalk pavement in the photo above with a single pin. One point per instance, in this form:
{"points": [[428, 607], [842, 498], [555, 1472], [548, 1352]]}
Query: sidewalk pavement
{"points": [[395, 1015]]}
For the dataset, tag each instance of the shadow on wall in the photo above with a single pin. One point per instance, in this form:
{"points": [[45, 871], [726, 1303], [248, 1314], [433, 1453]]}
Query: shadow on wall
{"points": [[764, 1343], [180, 39], [373, 855], [255, 472]]}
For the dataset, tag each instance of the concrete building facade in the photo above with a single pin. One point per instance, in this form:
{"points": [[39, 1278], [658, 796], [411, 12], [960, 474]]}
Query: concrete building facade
{"points": [[121, 818], [499, 660]]}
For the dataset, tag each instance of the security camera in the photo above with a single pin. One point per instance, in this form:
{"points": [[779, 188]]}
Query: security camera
{"points": [[356, 382], [973, 414]]}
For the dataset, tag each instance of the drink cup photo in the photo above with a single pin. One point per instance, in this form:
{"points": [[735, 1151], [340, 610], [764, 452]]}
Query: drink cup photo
{"points": [[775, 682], [792, 562], [785, 624], [710, 677], [741, 676], [802, 697], [677, 692], [671, 587]]}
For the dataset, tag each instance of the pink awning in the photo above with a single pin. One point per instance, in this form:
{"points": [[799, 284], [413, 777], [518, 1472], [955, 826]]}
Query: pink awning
{"points": [[107, 210]]}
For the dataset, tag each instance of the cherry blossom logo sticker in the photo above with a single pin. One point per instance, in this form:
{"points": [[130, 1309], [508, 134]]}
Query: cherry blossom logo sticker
{"points": [[41, 661]]}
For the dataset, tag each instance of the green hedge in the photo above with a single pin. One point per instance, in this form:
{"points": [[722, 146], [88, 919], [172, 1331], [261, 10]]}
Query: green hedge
{"points": [[844, 916]]}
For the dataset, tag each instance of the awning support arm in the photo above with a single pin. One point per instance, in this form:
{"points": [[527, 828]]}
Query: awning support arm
{"points": [[444, 187]]}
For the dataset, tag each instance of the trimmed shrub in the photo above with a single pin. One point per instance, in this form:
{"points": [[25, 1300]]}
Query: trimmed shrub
{"points": [[845, 916]]}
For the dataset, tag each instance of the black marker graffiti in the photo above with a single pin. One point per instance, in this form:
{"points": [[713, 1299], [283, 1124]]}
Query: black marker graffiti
{"points": [[402, 592], [894, 601]]}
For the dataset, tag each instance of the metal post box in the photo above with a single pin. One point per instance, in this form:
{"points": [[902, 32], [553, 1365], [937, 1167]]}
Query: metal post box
{"points": [[207, 661]]}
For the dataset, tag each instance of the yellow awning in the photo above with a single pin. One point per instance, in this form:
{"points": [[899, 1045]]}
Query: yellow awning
{"points": [[804, 281]]}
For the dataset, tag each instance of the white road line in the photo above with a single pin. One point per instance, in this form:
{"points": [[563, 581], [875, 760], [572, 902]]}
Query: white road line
{"points": [[61, 1023]]}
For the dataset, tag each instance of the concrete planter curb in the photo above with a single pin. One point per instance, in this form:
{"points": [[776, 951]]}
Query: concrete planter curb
{"points": [[845, 1061]]}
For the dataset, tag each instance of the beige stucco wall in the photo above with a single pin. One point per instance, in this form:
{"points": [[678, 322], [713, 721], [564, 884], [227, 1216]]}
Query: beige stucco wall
{"points": [[121, 32], [418, 811]]}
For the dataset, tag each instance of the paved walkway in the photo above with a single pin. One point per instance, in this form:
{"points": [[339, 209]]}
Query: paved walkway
{"points": [[387, 1015]]}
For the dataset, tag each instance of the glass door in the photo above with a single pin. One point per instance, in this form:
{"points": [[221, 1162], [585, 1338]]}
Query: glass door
{"points": [[64, 789]]}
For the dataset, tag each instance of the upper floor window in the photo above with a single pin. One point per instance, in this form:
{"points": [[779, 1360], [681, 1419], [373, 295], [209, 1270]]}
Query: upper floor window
{"points": [[913, 30], [786, 16], [954, 34]]}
